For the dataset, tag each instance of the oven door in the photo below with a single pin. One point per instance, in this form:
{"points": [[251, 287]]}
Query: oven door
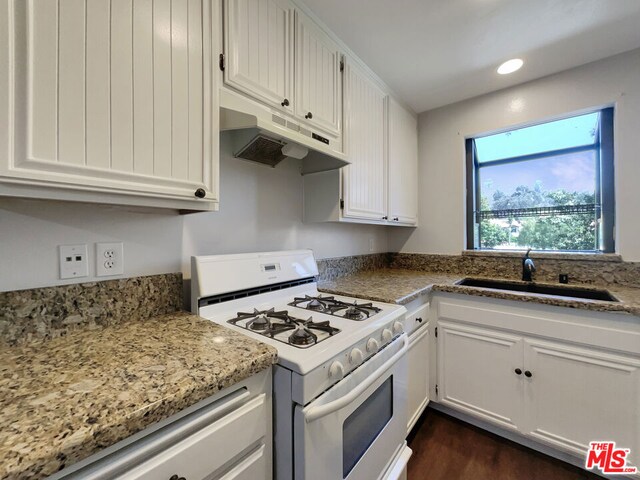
{"points": [[356, 428]]}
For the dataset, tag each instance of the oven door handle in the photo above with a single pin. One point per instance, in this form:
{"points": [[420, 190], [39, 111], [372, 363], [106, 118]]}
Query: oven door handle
{"points": [[314, 413]]}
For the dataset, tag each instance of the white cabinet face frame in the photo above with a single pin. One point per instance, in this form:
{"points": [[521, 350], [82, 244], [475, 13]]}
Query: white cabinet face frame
{"points": [[259, 50], [113, 97], [318, 79], [364, 181], [419, 372]]}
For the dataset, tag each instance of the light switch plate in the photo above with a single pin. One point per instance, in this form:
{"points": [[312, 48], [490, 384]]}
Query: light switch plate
{"points": [[73, 261], [109, 259]]}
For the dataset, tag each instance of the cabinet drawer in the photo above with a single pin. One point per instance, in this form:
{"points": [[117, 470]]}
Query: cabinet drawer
{"points": [[416, 319], [251, 467], [203, 453]]}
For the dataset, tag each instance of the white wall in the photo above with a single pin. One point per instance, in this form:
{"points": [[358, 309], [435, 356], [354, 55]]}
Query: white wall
{"points": [[30, 232], [261, 209], [613, 81]]}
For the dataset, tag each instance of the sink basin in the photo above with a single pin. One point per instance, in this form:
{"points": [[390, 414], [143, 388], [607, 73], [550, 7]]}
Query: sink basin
{"points": [[560, 291]]}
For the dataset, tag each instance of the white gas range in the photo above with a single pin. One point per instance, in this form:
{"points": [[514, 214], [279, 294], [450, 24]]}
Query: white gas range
{"points": [[340, 386]]}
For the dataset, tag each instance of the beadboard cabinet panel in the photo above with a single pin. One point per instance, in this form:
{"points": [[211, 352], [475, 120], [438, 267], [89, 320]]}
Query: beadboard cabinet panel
{"points": [[113, 97], [98, 58], [318, 82], [365, 179], [259, 43]]}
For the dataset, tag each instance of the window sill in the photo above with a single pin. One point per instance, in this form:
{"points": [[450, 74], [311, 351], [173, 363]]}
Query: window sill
{"points": [[587, 256]]}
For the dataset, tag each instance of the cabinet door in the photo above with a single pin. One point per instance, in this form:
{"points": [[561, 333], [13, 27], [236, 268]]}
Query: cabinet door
{"points": [[578, 395], [365, 179], [259, 49], [318, 82], [418, 380], [113, 97], [403, 165], [476, 373]]}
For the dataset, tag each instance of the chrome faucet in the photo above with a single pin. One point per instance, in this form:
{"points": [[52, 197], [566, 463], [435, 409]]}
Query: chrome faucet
{"points": [[528, 267]]}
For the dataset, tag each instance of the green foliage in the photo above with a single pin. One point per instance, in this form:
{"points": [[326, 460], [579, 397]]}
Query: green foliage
{"points": [[569, 232], [522, 197], [566, 232], [492, 235]]}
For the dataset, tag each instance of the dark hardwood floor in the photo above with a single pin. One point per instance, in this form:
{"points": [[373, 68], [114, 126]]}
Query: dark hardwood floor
{"points": [[445, 448]]}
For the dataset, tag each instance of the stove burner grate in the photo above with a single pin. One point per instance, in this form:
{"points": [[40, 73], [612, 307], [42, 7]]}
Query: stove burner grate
{"points": [[271, 324], [337, 308]]}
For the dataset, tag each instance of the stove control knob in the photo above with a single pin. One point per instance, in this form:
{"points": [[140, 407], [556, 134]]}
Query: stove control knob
{"points": [[356, 356], [386, 335], [372, 345], [336, 370], [398, 328]]}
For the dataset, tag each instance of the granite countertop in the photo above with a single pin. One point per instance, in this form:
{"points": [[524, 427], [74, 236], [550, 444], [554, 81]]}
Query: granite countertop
{"points": [[387, 285], [65, 399], [402, 286]]}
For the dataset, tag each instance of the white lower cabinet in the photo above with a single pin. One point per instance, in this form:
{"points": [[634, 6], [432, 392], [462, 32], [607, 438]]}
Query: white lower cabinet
{"points": [[577, 395], [226, 437], [476, 373], [539, 381]]}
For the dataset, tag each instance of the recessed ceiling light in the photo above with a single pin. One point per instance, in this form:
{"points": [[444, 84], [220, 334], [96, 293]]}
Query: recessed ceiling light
{"points": [[510, 66]]}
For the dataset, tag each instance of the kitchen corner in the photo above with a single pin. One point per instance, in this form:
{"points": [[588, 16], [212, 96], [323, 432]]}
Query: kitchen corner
{"points": [[407, 277]]}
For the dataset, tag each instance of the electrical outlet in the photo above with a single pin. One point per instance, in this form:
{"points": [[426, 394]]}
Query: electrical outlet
{"points": [[109, 259], [73, 261], [371, 245]]}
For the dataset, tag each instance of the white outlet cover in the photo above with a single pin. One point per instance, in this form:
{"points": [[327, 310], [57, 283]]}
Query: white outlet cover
{"points": [[109, 259], [73, 261]]}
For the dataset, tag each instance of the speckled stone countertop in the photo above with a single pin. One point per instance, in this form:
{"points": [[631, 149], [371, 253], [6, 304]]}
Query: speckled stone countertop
{"points": [[402, 286], [64, 399], [387, 285]]}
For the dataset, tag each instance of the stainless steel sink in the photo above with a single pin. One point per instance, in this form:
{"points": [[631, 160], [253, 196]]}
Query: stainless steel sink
{"points": [[559, 291]]}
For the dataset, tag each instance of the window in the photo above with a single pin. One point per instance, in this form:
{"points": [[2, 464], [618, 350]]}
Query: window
{"points": [[545, 187]]}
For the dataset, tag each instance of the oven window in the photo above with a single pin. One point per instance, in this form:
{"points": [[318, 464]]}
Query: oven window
{"points": [[364, 425]]}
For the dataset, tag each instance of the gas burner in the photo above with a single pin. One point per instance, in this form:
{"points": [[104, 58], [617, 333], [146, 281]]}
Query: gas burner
{"points": [[302, 336], [270, 323], [354, 311], [262, 320], [317, 304]]}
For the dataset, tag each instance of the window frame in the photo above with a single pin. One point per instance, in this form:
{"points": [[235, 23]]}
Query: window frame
{"points": [[605, 181]]}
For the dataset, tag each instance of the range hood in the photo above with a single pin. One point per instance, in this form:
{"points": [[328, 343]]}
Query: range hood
{"points": [[259, 135]]}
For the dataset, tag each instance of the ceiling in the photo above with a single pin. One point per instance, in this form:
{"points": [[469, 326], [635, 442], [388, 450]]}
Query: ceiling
{"points": [[436, 52]]}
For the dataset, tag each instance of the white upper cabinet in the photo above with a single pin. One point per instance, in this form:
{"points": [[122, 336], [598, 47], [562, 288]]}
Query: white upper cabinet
{"points": [[259, 50], [403, 165], [318, 82], [111, 102], [365, 179]]}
